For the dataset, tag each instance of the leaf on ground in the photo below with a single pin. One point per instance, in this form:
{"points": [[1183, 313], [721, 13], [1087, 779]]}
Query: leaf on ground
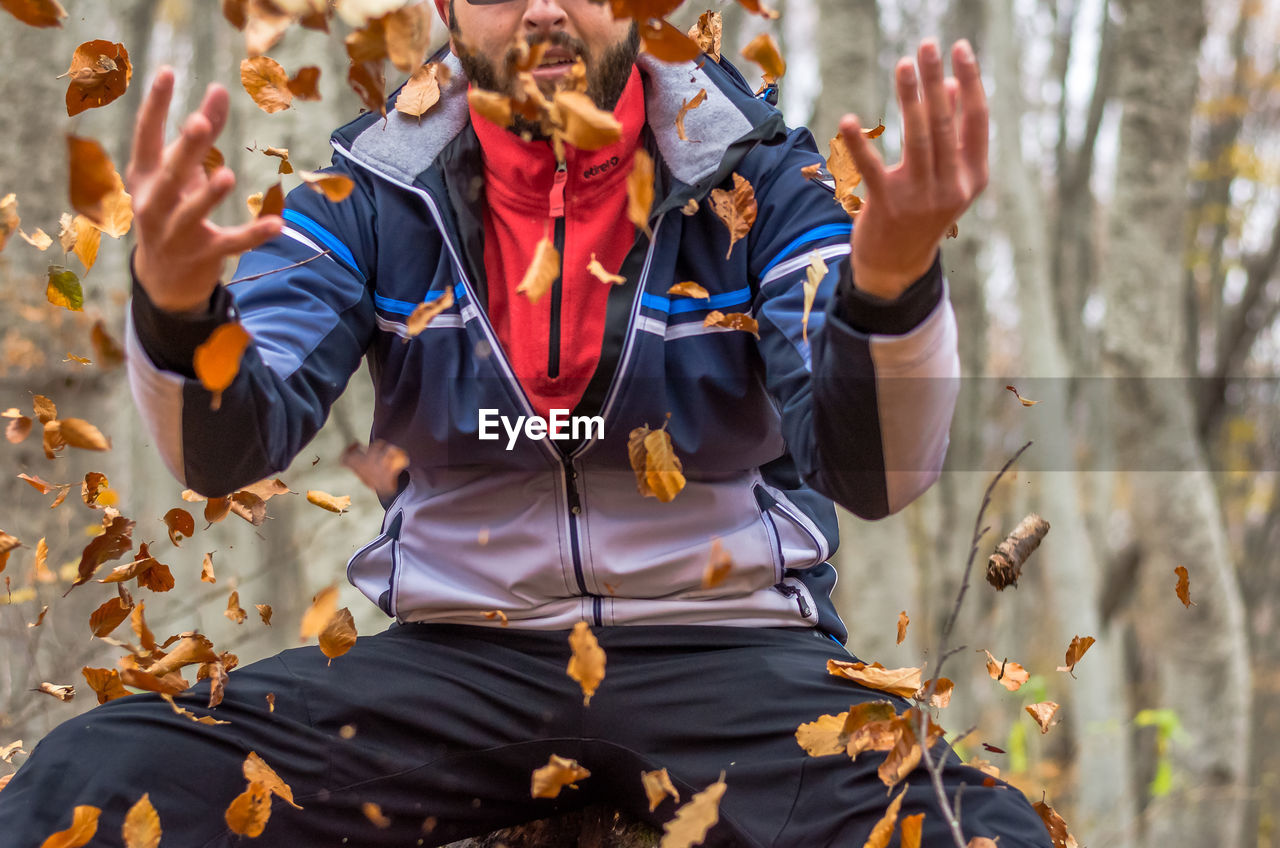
{"points": [[323, 607], [595, 269], [689, 289], [903, 682], [640, 191], [1184, 586], [694, 819], [100, 72], [142, 825], [217, 359], [424, 313], [657, 786], [1075, 652], [558, 773], [543, 271], [687, 106], [333, 503], [1043, 714], [718, 567], [736, 208], [586, 665], [84, 824], [339, 634], [1010, 675]]}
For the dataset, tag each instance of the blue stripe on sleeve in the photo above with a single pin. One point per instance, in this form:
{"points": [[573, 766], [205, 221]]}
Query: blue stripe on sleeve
{"points": [[690, 304], [825, 231], [404, 307], [327, 238]]}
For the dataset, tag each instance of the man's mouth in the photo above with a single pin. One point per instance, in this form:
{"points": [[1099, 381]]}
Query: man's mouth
{"points": [[555, 61]]}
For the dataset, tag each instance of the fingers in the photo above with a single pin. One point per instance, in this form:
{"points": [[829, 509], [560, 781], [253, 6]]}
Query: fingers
{"points": [[974, 126], [917, 148], [198, 204], [864, 156], [187, 153], [238, 239], [148, 134], [942, 128]]}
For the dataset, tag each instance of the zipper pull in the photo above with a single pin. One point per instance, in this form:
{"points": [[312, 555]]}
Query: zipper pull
{"points": [[557, 190]]}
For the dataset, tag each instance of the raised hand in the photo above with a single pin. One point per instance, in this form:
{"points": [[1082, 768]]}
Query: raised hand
{"points": [[181, 252], [910, 207]]}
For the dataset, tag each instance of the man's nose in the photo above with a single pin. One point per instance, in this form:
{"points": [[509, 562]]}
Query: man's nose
{"points": [[543, 17]]}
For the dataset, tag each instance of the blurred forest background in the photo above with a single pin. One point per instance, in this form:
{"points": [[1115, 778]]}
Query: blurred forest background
{"points": [[1123, 269]]}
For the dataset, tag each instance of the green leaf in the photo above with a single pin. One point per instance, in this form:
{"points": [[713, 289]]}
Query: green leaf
{"points": [[64, 289]]}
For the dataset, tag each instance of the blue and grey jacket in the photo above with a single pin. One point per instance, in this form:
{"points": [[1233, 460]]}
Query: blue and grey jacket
{"points": [[770, 430]]}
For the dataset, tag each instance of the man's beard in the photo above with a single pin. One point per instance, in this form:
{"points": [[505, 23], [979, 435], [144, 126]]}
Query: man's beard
{"points": [[606, 79]]}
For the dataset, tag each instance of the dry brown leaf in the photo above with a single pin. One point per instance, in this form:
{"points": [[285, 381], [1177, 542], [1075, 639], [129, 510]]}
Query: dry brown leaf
{"points": [[62, 691], [97, 191], [323, 607], [814, 275], [689, 289], [8, 752], [116, 541], [138, 622], [36, 13], [595, 269], [912, 831], [847, 176], [1054, 823], [657, 786], [180, 525], [335, 187], [248, 813], [586, 665], [190, 649], [558, 773], [421, 92], [217, 359], [109, 616], [663, 471], [233, 610], [824, 736], [407, 31], [105, 683], [1004, 566], [718, 566], [267, 83], [1020, 398], [333, 503], [1011, 675], [305, 85], [40, 618], [1043, 714], [1075, 652], [39, 239], [78, 433], [257, 771], [40, 484], [100, 72], [694, 819], [84, 824], [245, 504], [373, 813], [339, 635], [491, 106], [583, 124], [18, 428], [707, 32], [424, 313], [940, 695], [640, 191], [686, 107], [94, 485], [1184, 586], [903, 682], [281, 153], [206, 569], [185, 713], [667, 43], [736, 208], [142, 825], [106, 349], [763, 50], [883, 831], [10, 221], [264, 610], [690, 208], [543, 271], [378, 466], [732, 321]]}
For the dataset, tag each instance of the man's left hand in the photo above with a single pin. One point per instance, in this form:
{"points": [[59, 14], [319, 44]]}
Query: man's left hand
{"points": [[909, 208]]}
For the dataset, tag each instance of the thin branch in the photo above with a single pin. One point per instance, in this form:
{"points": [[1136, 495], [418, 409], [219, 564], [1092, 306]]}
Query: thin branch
{"points": [[324, 252]]}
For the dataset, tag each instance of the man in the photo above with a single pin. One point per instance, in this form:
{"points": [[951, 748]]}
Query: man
{"points": [[441, 719]]}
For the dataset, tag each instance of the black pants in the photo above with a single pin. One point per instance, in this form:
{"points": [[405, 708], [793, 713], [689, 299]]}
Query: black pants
{"points": [[449, 722]]}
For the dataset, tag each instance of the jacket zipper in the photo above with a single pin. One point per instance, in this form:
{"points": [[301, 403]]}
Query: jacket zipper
{"points": [[792, 592], [557, 215], [573, 502]]}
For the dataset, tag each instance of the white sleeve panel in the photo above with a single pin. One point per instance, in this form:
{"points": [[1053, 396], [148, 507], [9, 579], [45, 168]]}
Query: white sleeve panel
{"points": [[158, 396]]}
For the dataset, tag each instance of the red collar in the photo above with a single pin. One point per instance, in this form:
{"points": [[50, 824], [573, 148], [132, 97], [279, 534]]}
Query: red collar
{"points": [[522, 172]]}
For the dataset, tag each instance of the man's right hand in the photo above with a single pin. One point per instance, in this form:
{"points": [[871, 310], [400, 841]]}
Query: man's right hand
{"points": [[181, 252]]}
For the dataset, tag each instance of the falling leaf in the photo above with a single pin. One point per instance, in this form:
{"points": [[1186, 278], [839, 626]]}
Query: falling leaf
{"points": [[339, 635], [63, 289], [542, 272], [1020, 398], [18, 428], [116, 541], [281, 153], [814, 275], [97, 191], [10, 221], [689, 289], [62, 691], [93, 486], [7, 752], [305, 85], [903, 682], [41, 571], [84, 824], [248, 813], [491, 106], [657, 786], [755, 7], [1184, 587], [874, 132], [78, 234], [378, 466], [1075, 651], [257, 771], [106, 349], [835, 734], [707, 32], [686, 107], [44, 409], [40, 618], [185, 713], [718, 566], [940, 695], [79, 433], [206, 569], [39, 239], [558, 773], [374, 814], [1004, 566], [903, 621], [100, 72], [180, 524], [36, 13], [665, 42], [333, 503], [1010, 675], [595, 269], [271, 702], [138, 622], [79, 360], [247, 505], [736, 208], [335, 187], [233, 610], [217, 359], [812, 172], [690, 208], [1043, 713], [905, 753], [732, 321], [640, 191], [694, 819], [586, 665], [142, 825], [421, 92], [912, 831], [658, 469], [109, 616], [264, 610], [267, 83], [424, 313], [1057, 828], [323, 607], [846, 174], [763, 50], [583, 124]]}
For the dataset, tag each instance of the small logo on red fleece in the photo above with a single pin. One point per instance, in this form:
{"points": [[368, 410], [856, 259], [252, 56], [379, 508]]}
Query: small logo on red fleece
{"points": [[603, 168]]}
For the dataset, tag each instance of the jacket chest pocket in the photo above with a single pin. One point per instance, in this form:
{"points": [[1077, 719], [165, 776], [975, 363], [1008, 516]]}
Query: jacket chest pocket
{"points": [[796, 543]]}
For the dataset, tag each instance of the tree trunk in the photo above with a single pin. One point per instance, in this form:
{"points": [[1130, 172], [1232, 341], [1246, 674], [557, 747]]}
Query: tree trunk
{"points": [[1198, 657]]}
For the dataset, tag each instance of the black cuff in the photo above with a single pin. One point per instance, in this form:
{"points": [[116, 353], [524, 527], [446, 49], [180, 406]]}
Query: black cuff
{"points": [[866, 313], [170, 339]]}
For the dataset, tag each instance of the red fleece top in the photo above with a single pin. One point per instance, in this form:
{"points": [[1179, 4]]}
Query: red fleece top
{"points": [[521, 188]]}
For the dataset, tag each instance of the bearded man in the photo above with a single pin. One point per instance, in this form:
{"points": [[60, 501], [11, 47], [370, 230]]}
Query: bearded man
{"points": [[493, 549]]}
